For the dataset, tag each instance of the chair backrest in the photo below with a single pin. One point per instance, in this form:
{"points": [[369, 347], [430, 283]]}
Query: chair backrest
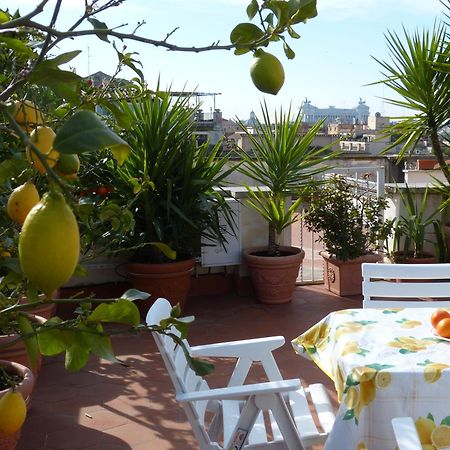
{"points": [[405, 285], [183, 377], [406, 434]]}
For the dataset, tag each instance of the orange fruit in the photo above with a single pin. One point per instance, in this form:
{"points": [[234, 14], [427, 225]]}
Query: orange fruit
{"points": [[438, 315], [443, 327]]}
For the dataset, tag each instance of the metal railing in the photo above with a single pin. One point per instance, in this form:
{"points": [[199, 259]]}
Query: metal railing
{"points": [[369, 179]]}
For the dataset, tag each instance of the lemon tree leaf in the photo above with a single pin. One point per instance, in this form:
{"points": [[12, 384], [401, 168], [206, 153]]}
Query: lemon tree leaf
{"points": [[290, 54], [252, 9], [63, 58], [86, 132], [99, 26], [134, 294], [51, 340], [77, 355], [16, 45], [245, 34], [165, 249], [99, 344], [120, 311], [30, 340]]}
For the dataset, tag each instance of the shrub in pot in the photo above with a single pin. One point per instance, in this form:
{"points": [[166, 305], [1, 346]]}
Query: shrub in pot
{"points": [[283, 160], [350, 224], [175, 188]]}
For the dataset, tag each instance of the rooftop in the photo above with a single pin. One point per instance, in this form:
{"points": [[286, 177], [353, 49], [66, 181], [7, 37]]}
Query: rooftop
{"points": [[110, 407]]}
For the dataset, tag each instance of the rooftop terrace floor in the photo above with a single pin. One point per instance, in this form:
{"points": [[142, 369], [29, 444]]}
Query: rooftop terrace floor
{"points": [[110, 407]]}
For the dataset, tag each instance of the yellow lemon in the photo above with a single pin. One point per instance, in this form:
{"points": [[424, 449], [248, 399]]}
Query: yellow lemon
{"points": [[361, 446], [267, 72], [440, 436], [433, 372], [367, 391], [21, 200], [428, 447], [383, 379], [42, 138], [27, 115], [425, 427], [363, 373], [352, 397], [13, 411], [68, 165], [49, 243]]}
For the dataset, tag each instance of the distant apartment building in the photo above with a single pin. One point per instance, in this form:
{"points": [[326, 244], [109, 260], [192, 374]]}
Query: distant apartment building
{"points": [[357, 115]]}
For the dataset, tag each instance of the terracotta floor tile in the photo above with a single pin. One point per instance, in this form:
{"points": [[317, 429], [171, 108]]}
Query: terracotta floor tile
{"points": [[133, 408]]}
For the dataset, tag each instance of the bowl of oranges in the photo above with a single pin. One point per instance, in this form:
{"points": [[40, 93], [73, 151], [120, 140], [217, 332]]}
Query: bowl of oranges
{"points": [[440, 319]]}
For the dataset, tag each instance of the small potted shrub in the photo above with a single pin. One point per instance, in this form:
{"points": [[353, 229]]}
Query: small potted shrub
{"points": [[352, 229]]}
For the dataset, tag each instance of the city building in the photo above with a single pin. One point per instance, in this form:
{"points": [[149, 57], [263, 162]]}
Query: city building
{"points": [[358, 114]]}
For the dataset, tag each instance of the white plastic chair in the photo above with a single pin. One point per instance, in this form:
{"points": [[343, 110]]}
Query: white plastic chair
{"points": [[406, 434], [232, 417], [421, 285]]}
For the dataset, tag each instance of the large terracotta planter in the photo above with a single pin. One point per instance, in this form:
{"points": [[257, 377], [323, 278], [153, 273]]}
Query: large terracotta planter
{"points": [[344, 277], [45, 310], [274, 277], [426, 258], [17, 352], [25, 387], [171, 281]]}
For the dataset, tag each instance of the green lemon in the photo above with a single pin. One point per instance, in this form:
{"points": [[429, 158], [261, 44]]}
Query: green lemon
{"points": [[68, 165], [267, 72]]}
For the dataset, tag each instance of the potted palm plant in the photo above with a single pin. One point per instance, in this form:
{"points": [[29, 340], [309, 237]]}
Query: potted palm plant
{"points": [[351, 227], [281, 161], [175, 187]]}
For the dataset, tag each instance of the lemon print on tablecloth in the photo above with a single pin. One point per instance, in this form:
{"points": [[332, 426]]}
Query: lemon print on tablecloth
{"points": [[383, 379], [361, 446], [405, 323], [316, 337], [392, 310], [353, 347], [409, 344], [424, 427], [440, 436], [352, 327], [432, 372]]}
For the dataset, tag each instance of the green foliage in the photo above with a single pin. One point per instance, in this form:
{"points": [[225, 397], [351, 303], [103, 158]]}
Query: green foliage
{"points": [[349, 224], [282, 160], [172, 181], [411, 228], [416, 76]]}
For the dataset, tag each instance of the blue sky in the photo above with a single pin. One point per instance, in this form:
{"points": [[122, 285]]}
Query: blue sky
{"points": [[333, 60]]}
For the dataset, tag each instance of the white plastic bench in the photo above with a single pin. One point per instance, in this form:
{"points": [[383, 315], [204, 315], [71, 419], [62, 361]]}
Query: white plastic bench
{"points": [[232, 417], [405, 285]]}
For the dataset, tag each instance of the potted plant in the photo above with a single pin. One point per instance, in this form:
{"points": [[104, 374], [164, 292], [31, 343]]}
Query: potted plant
{"points": [[282, 160], [351, 226], [16, 387], [174, 186], [410, 234]]}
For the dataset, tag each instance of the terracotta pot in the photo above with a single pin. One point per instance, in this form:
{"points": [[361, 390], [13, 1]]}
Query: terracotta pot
{"points": [[344, 277], [25, 387], [17, 351], [426, 258], [274, 277], [45, 310], [171, 281]]}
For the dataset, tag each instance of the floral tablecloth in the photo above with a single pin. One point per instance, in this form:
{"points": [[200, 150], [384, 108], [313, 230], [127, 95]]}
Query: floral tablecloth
{"points": [[385, 363]]}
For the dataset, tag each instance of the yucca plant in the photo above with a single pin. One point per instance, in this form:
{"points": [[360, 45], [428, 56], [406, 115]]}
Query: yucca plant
{"points": [[410, 233], [283, 160], [174, 183], [420, 74]]}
